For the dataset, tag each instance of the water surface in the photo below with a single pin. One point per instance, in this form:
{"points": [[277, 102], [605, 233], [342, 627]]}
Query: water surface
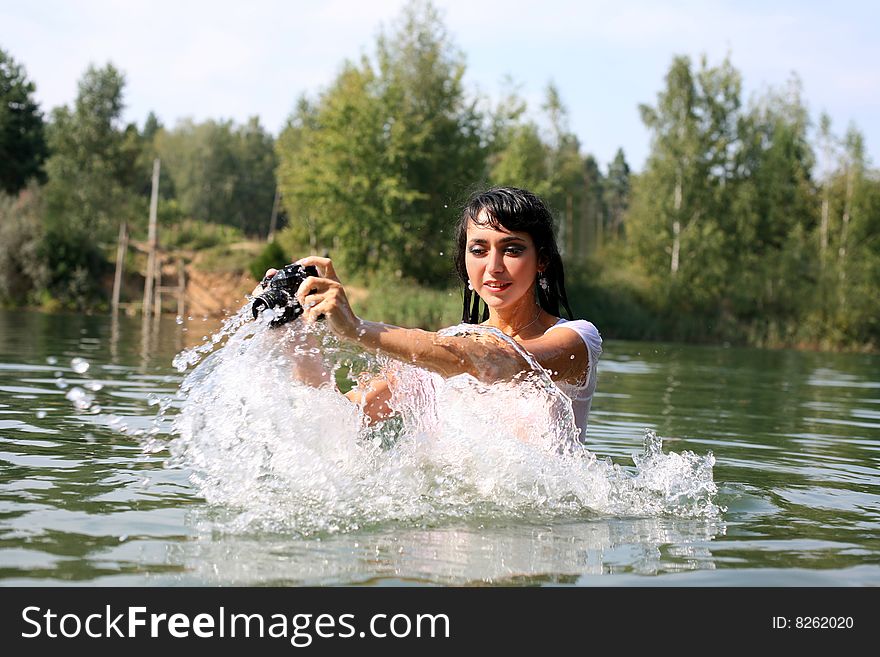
{"points": [[794, 437]]}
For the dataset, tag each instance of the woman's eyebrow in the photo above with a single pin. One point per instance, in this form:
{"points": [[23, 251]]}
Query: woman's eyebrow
{"points": [[503, 240]]}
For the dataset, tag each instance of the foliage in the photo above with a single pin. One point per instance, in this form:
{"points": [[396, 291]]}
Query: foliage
{"points": [[93, 184], [22, 272], [740, 228], [553, 167], [617, 192], [228, 258], [220, 172], [368, 170], [406, 303], [272, 256], [92, 172], [22, 138], [190, 234]]}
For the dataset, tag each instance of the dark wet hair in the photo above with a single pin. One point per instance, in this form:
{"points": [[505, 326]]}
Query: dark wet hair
{"points": [[515, 210]]}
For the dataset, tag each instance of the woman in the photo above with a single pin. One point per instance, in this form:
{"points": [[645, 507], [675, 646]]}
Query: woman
{"points": [[507, 258]]}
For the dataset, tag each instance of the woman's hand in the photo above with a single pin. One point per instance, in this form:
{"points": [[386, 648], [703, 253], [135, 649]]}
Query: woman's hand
{"points": [[324, 295], [260, 289]]}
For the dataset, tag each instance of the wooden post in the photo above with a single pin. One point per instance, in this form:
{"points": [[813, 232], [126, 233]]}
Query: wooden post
{"points": [[157, 303], [273, 221], [181, 288], [152, 241], [121, 248]]}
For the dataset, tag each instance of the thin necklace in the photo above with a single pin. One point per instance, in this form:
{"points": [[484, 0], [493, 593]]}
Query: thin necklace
{"points": [[523, 328]]}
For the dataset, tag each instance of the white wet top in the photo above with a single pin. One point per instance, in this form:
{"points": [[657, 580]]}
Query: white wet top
{"points": [[582, 395]]}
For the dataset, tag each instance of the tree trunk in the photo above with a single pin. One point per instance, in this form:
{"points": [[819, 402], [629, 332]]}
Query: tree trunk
{"points": [[823, 227], [847, 206], [152, 242], [121, 248], [676, 227], [273, 219]]}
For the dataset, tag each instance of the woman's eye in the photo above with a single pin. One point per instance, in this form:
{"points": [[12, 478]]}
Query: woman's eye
{"points": [[477, 251], [513, 250]]}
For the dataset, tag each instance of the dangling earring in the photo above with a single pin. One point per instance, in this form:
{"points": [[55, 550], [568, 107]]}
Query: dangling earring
{"points": [[470, 287], [542, 282]]}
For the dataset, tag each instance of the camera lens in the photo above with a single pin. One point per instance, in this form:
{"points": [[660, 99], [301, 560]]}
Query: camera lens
{"points": [[272, 298], [280, 293]]}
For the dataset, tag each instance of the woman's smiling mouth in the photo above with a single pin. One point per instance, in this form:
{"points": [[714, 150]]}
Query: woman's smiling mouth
{"points": [[497, 285]]}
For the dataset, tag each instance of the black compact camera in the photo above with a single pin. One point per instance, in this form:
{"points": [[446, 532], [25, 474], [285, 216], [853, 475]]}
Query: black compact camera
{"points": [[279, 293]]}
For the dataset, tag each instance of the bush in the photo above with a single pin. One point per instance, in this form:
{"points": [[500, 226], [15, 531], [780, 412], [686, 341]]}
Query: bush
{"points": [[614, 299], [272, 256], [197, 235], [75, 267], [404, 302], [228, 258], [23, 272]]}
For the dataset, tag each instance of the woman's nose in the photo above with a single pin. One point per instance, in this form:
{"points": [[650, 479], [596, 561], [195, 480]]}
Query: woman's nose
{"points": [[496, 262]]}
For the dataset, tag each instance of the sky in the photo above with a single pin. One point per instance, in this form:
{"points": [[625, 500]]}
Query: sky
{"points": [[234, 60]]}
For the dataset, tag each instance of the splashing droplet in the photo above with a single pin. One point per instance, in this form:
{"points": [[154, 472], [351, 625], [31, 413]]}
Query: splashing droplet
{"points": [[79, 365], [80, 398]]}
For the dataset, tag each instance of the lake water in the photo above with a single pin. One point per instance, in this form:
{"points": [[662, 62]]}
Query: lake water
{"points": [[90, 493]]}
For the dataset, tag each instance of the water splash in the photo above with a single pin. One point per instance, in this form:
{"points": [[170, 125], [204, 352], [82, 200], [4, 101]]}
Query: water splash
{"points": [[190, 357], [271, 453], [80, 398], [79, 365]]}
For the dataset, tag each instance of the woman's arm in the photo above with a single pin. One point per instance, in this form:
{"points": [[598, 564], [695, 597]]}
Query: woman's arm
{"points": [[373, 395], [308, 365], [563, 353], [484, 357]]}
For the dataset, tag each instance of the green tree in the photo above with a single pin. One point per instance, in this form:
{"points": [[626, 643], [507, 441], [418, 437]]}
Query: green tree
{"points": [[520, 159], [552, 167], [617, 191], [255, 182], [22, 138], [337, 189], [92, 171], [23, 271], [680, 205], [94, 183], [575, 183], [852, 275], [370, 169], [774, 263], [594, 210], [220, 172]]}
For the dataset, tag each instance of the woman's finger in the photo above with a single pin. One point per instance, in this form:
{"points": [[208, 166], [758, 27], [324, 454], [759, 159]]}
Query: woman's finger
{"points": [[317, 311], [312, 285], [324, 265], [312, 300]]}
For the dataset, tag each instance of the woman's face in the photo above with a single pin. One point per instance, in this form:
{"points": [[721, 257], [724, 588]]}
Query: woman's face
{"points": [[501, 265]]}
